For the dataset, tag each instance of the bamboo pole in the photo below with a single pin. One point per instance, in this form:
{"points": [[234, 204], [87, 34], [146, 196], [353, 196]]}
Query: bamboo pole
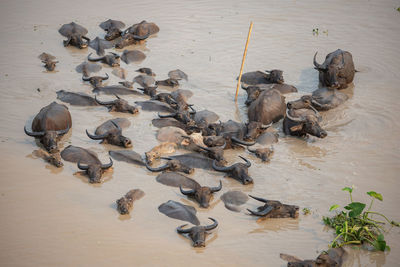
{"points": [[244, 57]]}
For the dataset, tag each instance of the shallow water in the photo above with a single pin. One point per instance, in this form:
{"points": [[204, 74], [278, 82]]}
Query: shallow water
{"points": [[54, 217]]}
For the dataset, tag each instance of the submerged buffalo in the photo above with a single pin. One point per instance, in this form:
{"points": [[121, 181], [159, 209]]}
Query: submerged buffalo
{"points": [[87, 161], [147, 71], [275, 209], [238, 171], [337, 71], [184, 116], [300, 122], [202, 194], [176, 179], [216, 153], [75, 34], [143, 29], [198, 233], [49, 124], [129, 56], [268, 107], [76, 99], [118, 105], [321, 99], [179, 211], [95, 81], [157, 151], [171, 165], [111, 59], [113, 29], [254, 91], [114, 90], [177, 75], [263, 148], [129, 39], [128, 156], [154, 105], [52, 158], [48, 61], [234, 199], [259, 77], [332, 258], [99, 45], [87, 68], [168, 82], [110, 132], [144, 80], [125, 203], [150, 91]]}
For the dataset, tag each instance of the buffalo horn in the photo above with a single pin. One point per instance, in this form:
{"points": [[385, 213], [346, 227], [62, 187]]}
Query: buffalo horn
{"points": [[82, 167], [33, 134], [261, 213], [62, 132], [221, 169], [265, 126], [93, 59], [159, 169], [105, 78], [183, 231], [86, 79], [259, 199], [108, 165], [117, 126], [193, 110], [216, 189], [115, 55], [187, 193], [293, 118], [211, 226], [248, 163], [167, 116], [96, 137], [236, 140], [251, 150], [318, 66], [137, 37]]}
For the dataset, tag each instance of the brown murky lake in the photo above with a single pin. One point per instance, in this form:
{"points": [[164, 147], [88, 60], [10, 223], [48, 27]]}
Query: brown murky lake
{"points": [[54, 217]]}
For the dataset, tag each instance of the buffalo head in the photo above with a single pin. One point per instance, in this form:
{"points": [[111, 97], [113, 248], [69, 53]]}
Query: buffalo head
{"points": [[216, 152], [172, 165], [304, 123], [49, 65], [304, 102], [198, 233], [112, 33], [114, 137], [48, 138], [275, 76], [263, 153], [252, 94], [112, 59], [129, 39], [183, 116], [118, 105], [238, 171], [95, 81], [329, 73], [202, 194], [95, 171], [77, 40], [275, 209], [254, 129]]}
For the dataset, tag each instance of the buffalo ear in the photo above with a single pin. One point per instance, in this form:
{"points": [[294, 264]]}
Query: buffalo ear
{"points": [[296, 128]]}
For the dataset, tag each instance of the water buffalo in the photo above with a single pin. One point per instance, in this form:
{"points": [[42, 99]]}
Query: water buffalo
{"points": [[75, 34], [110, 132], [86, 68], [179, 211], [299, 122], [168, 82], [176, 179], [183, 116], [122, 74], [275, 209], [158, 151], [125, 203], [263, 148], [177, 75], [52, 158], [49, 124], [115, 90], [254, 91], [76, 99], [87, 161], [95, 81], [129, 39], [146, 71], [171, 165], [154, 105], [216, 153], [321, 99], [118, 105], [128, 156], [268, 107], [259, 77], [113, 29], [143, 29], [202, 194], [332, 258], [150, 91], [129, 56], [99, 45], [112, 59], [166, 98], [198, 233], [234, 199], [238, 171], [337, 71], [48, 61], [144, 80]]}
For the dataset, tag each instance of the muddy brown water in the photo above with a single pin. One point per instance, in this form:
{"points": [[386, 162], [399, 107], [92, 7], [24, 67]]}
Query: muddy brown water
{"points": [[54, 217]]}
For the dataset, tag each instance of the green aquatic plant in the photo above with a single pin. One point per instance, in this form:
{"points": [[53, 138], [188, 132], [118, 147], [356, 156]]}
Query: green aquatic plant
{"points": [[306, 211], [355, 225]]}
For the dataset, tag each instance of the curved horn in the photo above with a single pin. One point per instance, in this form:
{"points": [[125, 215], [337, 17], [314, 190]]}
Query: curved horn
{"points": [[62, 132], [96, 137], [259, 199], [316, 64], [33, 134], [315, 111], [212, 226], [108, 165], [216, 189], [167, 116], [248, 163], [187, 193], [137, 37], [183, 231], [193, 110], [265, 126], [159, 169], [105, 78], [86, 38], [251, 150], [236, 140], [315, 103], [86, 79], [221, 169], [293, 118], [117, 96], [115, 55], [82, 167], [116, 125], [261, 213], [93, 59], [104, 103]]}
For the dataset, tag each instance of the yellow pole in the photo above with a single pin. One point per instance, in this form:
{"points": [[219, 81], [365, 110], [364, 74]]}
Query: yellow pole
{"points": [[244, 57]]}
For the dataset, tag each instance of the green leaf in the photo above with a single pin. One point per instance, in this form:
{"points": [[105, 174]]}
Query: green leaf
{"points": [[355, 208], [380, 243], [333, 207], [395, 223], [349, 189], [375, 195]]}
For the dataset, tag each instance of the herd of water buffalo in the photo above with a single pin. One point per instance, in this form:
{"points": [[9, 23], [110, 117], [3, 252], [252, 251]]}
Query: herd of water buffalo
{"points": [[181, 126]]}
